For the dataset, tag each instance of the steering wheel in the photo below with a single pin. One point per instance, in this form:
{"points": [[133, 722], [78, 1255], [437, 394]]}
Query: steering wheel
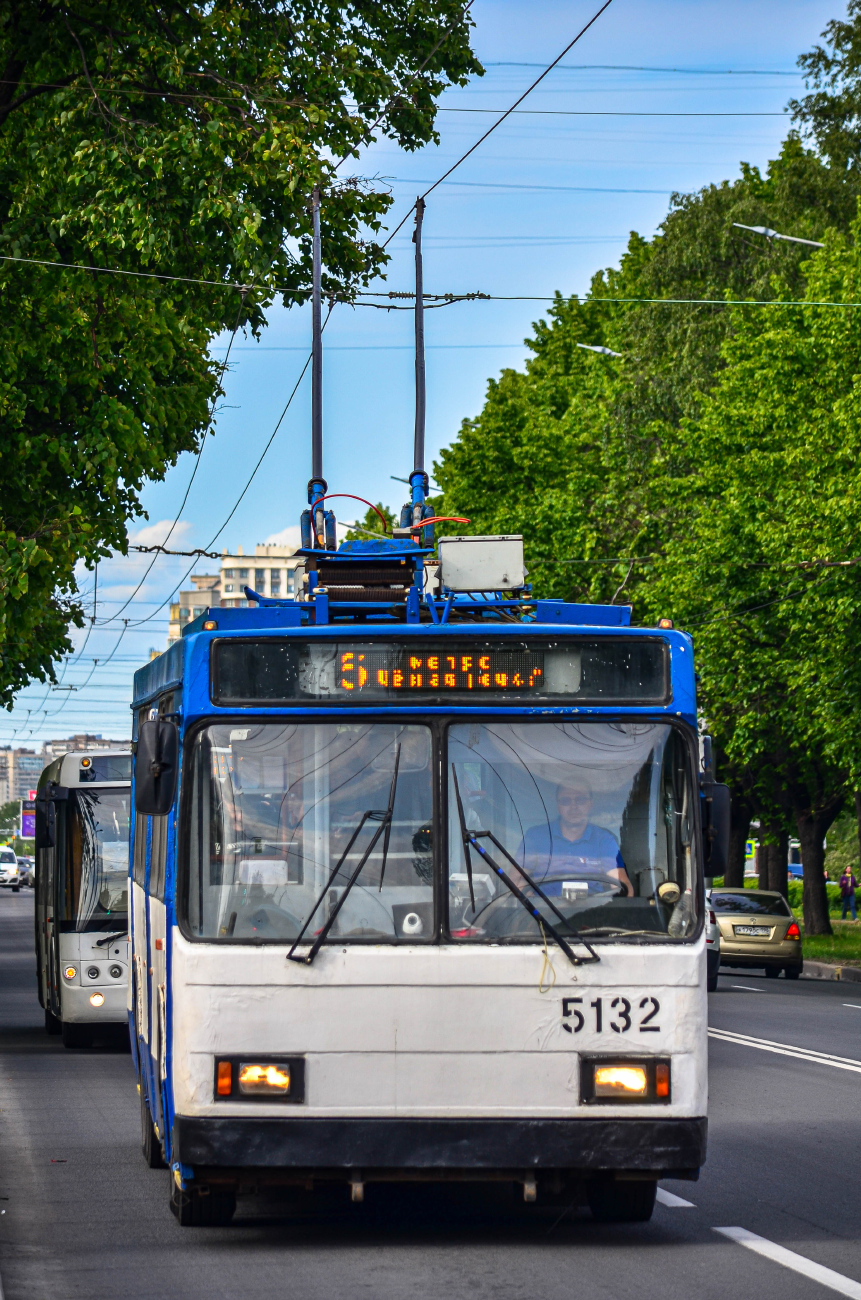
{"points": [[497, 916]]}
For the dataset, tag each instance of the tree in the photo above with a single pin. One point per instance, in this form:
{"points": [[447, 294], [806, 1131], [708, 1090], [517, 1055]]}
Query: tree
{"points": [[371, 525], [182, 141], [9, 816]]}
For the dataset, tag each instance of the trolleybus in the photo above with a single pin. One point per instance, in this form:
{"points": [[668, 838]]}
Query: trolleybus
{"points": [[82, 864], [417, 880]]}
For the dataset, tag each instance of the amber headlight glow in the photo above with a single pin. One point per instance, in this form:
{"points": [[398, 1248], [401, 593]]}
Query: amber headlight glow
{"points": [[264, 1079], [607, 1080], [620, 1080], [70, 972]]}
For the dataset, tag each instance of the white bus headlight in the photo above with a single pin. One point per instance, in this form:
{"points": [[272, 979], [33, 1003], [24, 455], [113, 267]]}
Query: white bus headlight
{"points": [[276, 1079], [620, 1081], [97, 999], [264, 1079], [608, 1080]]}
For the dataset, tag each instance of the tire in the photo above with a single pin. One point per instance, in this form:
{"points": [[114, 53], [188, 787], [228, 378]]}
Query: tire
{"points": [[202, 1207], [76, 1035], [150, 1145], [792, 972], [52, 1024], [622, 1202], [772, 972]]}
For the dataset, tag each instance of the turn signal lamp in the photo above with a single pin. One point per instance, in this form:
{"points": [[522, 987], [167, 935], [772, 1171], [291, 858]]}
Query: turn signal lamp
{"points": [[624, 1080], [97, 999], [86, 762], [264, 1079], [665, 623], [224, 1078], [793, 932], [210, 625], [70, 972], [662, 1080]]}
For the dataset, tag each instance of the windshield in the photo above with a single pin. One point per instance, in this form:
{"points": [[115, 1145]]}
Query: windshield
{"points": [[96, 879], [281, 817], [598, 816], [750, 903]]}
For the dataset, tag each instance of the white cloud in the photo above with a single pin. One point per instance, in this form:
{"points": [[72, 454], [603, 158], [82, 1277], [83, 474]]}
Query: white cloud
{"points": [[155, 534], [289, 536]]}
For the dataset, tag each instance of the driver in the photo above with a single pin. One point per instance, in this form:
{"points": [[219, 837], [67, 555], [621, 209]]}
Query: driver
{"points": [[571, 845]]}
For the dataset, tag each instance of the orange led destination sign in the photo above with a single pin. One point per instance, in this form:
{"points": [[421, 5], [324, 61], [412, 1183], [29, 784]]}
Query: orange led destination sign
{"points": [[398, 669]]}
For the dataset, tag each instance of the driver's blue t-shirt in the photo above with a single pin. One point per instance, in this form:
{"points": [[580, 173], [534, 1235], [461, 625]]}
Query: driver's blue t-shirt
{"points": [[545, 852]]}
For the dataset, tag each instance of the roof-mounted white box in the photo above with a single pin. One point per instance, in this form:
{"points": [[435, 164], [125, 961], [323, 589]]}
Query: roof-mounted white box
{"points": [[482, 563]]}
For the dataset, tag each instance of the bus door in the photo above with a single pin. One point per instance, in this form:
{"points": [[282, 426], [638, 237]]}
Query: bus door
{"points": [[157, 936], [139, 956]]}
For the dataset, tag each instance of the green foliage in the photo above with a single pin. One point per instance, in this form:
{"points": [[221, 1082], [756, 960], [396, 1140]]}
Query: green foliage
{"points": [[841, 852], [9, 814], [181, 141], [371, 524]]}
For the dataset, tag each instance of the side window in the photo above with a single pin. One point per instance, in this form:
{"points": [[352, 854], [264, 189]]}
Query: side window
{"points": [[159, 857], [139, 864]]}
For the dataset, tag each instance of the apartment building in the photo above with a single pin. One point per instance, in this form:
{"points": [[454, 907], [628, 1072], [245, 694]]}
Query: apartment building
{"points": [[270, 571]]}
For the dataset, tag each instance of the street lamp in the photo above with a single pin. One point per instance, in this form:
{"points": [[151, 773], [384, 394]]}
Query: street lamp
{"points": [[595, 347], [772, 234]]}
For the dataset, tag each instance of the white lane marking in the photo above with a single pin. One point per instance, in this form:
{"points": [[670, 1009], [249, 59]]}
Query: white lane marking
{"points": [[798, 1263], [672, 1201], [747, 988], [786, 1049], [853, 1005]]}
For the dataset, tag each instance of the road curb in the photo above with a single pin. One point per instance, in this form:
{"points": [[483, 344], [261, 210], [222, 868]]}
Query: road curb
{"points": [[820, 970]]}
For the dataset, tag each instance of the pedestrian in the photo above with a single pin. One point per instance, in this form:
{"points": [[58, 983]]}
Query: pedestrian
{"points": [[847, 893]]}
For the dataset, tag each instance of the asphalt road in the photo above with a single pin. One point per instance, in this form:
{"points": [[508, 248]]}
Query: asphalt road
{"points": [[82, 1217]]}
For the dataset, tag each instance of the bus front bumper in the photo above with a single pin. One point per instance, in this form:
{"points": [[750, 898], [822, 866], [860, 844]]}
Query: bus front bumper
{"points": [[439, 1148]]}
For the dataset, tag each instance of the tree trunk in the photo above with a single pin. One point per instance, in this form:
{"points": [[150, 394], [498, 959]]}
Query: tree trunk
{"points": [[739, 829], [762, 863], [778, 855], [811, 833]]}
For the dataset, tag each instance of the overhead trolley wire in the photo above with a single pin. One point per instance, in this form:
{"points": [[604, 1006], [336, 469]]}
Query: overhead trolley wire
{"points": [[506, 114]]}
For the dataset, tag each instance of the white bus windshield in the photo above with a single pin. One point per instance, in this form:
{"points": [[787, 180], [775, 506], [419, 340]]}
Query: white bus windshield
{"points": [[291, 826], [95, 890], [282, 815], [597, 817]]}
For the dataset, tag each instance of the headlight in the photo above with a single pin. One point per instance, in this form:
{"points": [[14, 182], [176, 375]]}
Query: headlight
{"points": [[97, 999], [611, 1080], [93, 972], [275, 1079], [115, 972]]}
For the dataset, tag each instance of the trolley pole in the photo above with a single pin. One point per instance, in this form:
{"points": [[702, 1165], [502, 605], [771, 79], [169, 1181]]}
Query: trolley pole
{"points": [[418, 478], [317, 485]]}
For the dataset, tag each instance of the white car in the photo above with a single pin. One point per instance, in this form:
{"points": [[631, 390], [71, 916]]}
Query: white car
{"points": [[27, 868], [10, 872], [712, 947]]}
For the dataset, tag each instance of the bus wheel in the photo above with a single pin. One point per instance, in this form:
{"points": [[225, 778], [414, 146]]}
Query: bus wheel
{"points": [[150, 1144], [622, 1202], [52, 1024], [202, 1207], [76, 1035]]}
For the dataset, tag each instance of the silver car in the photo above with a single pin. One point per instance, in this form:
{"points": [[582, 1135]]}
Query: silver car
{"points": [[10, 872]]}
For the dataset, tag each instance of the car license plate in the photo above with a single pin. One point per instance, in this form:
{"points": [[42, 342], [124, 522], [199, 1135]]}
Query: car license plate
{"points": [[758, 930]]}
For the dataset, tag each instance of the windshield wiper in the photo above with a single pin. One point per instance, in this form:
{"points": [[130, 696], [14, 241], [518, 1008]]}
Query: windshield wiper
{"points": [[471, 840], [109, 939], [384, 817]]}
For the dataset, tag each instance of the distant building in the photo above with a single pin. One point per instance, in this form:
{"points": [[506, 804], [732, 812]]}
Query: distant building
{"points": [[74, 744], [270, 571]]}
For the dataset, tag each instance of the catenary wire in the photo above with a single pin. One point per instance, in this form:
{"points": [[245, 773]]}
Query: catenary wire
{"points": [[505, 115]]}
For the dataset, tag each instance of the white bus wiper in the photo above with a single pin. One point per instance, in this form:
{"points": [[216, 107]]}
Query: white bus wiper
{"points": [[384, 817], [471, 840]]}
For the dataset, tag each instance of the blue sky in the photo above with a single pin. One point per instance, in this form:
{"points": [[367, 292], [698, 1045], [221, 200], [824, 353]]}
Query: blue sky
{"points": [[549, 199]]}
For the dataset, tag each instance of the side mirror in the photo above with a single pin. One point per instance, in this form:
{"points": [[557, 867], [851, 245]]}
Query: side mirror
{"points": [[46, 814], [717, 829], [156, 767]]}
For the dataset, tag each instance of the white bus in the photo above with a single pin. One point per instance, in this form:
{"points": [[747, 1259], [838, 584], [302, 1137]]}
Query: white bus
{"points": [[82, 863]]}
